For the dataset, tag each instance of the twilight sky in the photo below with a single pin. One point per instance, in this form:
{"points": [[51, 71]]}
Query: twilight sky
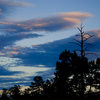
{"points": [[32, 31]]}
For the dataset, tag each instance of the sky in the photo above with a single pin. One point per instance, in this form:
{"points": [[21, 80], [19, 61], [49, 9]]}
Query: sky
{"points": [[32, 31]]}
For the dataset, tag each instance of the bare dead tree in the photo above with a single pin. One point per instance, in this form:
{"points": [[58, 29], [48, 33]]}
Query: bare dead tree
{"points": [[82, 42], [82, 39]]}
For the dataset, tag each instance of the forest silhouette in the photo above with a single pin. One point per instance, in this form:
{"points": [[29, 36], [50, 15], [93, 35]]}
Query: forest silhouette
{"points": [[75, 77]]}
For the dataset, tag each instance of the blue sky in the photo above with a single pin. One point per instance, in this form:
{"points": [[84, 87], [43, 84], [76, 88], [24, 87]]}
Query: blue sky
{"points": [[43, 8], [34, 32]]}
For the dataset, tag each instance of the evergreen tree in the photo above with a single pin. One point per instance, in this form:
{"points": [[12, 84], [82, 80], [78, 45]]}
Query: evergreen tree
{"points": [[37, 86], [70, 76]]}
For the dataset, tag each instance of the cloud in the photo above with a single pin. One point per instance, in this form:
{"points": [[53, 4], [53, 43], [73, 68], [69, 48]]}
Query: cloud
{"points": [[9, 39], [7, 6], [5, 23], [50, 39], [13, 32], [14, 3], [54, 23], [96, 32], [50, 57], [22, 75], [25, 71], [76, 14], [50, 48]]}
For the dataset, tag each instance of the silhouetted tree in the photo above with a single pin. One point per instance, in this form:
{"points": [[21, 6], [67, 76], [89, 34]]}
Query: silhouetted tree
{"points": [[70, 76], [37, 86], [81, 41], [94, 75], [48, 89], [5, 95], [63, 74], [15, 92]]}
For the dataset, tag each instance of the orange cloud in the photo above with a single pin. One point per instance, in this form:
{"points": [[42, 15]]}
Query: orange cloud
{"points": [[58, 22], [40, 24], [86, 36], [14, 52], [20, 25], [98, 35], [6, 23], [34, 45], [73, 20], [96, 32], [16, 48], [75, 14]]}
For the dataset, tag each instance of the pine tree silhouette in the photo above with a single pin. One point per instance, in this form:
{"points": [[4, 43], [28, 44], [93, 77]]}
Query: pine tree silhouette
{"points": [[70, 74]]}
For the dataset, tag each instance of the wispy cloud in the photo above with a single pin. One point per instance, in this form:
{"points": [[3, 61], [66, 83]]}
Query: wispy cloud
{"points": [[54, 23], [7, 61], [24, 72], [14, 3], [7, 6], [13, 71], [15, 31], [9, 39], [25, 34]]}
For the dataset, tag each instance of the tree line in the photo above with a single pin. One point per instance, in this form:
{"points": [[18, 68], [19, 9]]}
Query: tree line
{"points": [[75, 78]]}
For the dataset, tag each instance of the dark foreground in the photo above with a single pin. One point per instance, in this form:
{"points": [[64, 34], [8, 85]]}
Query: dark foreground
{"points": [[76, 78]]}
